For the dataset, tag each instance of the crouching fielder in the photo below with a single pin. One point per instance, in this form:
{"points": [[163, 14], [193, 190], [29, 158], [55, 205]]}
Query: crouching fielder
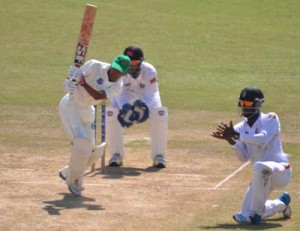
{"points": [[257, 139], [139, 101], [87, 86]]}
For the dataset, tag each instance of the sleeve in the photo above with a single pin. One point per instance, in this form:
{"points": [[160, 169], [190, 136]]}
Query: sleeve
{"points": [[270, 128], [122, 99], [114, 89], [239, 148], [91, 67], [151, 94], [240, 151]]}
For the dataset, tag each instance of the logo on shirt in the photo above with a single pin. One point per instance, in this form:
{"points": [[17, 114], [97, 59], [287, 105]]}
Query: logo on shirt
{"points": [[153, 80], [100, 81], [142, 85]]}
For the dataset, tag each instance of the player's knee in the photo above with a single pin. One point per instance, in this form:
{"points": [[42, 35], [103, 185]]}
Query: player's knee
{"points": [[262, 168]]}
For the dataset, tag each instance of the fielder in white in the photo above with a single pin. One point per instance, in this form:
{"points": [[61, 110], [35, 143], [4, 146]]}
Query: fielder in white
{"points": [[87, 86], [257, 139], [139, 100]]}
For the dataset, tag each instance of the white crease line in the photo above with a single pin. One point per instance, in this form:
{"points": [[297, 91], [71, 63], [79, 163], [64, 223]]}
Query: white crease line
{"points": [[231, 175], [124, 185]]}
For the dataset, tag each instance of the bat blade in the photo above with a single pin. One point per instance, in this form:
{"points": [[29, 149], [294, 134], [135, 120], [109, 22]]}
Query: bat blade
{"points": [[85, 34]]}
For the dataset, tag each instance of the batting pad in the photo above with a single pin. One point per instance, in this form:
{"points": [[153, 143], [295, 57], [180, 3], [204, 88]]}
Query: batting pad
{"points": [[114, 132], [159, 131], [96, 154], [80, 153]]}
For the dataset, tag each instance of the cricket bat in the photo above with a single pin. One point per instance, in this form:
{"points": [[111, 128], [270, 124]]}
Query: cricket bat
{"points": [[85, 34], [103, 134]]}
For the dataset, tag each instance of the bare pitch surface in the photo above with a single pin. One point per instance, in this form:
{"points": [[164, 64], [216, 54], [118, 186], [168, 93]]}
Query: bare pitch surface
{"points": [[200, 189]]}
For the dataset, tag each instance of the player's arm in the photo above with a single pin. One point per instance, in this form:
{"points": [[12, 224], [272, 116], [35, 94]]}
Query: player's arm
{"points": [[97, 95], [270, 128], [151, 94]]}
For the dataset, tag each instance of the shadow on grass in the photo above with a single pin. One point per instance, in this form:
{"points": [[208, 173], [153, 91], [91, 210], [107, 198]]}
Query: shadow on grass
{"points": [[119, 172], [69, 201]]}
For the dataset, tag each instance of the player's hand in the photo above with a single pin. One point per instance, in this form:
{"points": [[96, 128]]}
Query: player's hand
{"points": [[225, 132], [75, 74], [141, 111], [82, 81], [70, 86], [126, 115]]}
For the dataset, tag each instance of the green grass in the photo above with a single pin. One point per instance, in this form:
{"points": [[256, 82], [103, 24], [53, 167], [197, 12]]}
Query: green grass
{"points": [[205, 52]]}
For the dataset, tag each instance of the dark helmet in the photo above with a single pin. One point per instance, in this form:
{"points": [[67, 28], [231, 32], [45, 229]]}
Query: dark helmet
{"points": [[134, 53], [250, 100], [251, 94]]}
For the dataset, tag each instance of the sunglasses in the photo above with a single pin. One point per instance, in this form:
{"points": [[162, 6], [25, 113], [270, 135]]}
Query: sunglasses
{"points": [[135, 62], [246, 103]]}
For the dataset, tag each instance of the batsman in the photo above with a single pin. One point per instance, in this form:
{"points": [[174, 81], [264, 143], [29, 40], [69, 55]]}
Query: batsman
{"points": [[139, 101], [87, 86]]}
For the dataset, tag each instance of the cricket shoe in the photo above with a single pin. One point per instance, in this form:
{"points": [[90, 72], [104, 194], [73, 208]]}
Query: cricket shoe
{"points": [[159, 161], [242, 219], [256, 219], [246, 220], [76, 189], [116, 160], [286, 199], [63, 173]]}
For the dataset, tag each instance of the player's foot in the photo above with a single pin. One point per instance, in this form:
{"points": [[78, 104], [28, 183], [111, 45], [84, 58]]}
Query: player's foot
{"points": [[242, 219], [286, 199], [116, 160], [75, 189], [287, 213], [159, 161], [63, 173], [256, 219]]}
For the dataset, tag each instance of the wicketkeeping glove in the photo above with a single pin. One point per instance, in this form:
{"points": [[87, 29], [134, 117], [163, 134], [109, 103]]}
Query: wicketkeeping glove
{"points": [[126, 115], [141, 111]]}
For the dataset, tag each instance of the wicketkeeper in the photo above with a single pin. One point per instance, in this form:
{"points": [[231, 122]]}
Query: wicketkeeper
{"points": [[139, 101], [257, 139], [87, 86]]}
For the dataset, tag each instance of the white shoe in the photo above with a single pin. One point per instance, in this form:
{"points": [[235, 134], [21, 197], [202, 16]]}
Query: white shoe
{"points": [[75, 189], [159, 161], [116, 160], [63, 173]]}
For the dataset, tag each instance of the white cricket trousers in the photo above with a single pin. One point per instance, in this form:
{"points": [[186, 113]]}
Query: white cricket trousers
{"points": [[267, 176], [78, 120]]}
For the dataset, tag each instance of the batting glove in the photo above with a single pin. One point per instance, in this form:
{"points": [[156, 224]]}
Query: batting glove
{"points": [[70, 86], [75, 73]]}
